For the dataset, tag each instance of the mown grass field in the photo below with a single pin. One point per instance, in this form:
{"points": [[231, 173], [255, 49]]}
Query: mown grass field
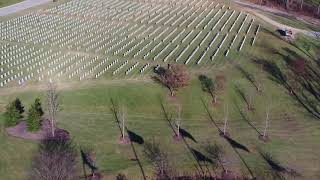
{"points": [[87, 116], [4, 3]]}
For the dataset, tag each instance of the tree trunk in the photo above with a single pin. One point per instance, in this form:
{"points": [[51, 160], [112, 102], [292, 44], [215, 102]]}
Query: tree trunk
{"points": [[123, 124], [267, 123], [301, 5], [178, 134], [171, 92], [52, 127], [215, 99], [318, 12]]}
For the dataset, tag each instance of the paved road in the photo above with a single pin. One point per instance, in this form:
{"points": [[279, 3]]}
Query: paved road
{"points": [[21, 6], [253, 7]]}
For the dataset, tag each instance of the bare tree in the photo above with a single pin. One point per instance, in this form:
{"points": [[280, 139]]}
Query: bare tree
{"points": [[53, 106], [123, 127], [266, 123], [178, 121], [225, 120], [259, 86], [159, 159], [55, 160]]}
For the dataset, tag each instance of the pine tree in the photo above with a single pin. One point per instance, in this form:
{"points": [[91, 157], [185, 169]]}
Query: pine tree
{"points": [[34, 116], [38, 107], [34, 119], [19, 106], [12, 115]]}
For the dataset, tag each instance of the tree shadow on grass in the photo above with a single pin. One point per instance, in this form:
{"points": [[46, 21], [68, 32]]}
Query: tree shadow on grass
{"points": [[135, 137], [240, 92], [186, 134], [276, 75], [197, 166], [248, 76], [201, 157], [246, 119], [236, 144], [277, 168], [114, 109]]}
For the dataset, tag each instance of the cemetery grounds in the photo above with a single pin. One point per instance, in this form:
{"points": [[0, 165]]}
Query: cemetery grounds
{"points": [[100, 50]]}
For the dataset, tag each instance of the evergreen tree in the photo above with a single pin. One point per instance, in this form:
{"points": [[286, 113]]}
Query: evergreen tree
{"points": [[34, 116], [38, 107], [34, 119], [12, 115], [18, 105]]}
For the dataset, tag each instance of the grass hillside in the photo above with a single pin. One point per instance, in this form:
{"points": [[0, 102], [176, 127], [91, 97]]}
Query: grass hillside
{"points": [[86, 115], [150, 113], [4, 3]]}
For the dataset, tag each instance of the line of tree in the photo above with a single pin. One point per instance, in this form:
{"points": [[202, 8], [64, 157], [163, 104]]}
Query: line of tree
{"points": [[14, 114]]}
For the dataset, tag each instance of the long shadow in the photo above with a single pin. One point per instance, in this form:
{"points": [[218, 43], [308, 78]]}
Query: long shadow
{"points": [[197, 166], [186, 134], [210, 116], [137, 138], [114, 110], [276, 75], [277, 167], [234, 144], [248, 76], [241, 94], [245, 118], [201, 157]]}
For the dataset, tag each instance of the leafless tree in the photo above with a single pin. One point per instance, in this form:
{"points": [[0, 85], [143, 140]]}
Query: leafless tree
{"points": [[178, 121], [225, 120], [55, 160], [266, 123], [260, 78], [53, 106], [123, 128], [159, 159]]}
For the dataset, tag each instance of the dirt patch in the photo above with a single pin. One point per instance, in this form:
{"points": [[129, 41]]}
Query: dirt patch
{"points": [[21, 131]]}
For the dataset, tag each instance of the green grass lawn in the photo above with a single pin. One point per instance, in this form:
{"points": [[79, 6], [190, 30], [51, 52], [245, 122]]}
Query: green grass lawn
{"points": [[86, 115], [290, 21], [4, 3], [314, 2]]}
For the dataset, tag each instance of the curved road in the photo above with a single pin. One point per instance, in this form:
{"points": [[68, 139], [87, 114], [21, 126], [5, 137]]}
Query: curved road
{"points": [[21, 6], [251, 8]]}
